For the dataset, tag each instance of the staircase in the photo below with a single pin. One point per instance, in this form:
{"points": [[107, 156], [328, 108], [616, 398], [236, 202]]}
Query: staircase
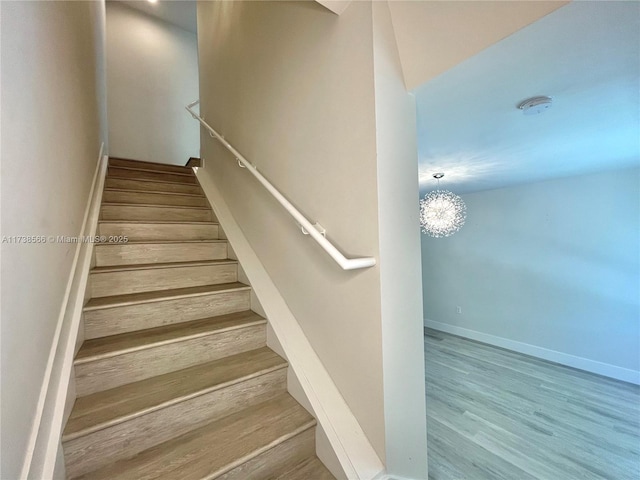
{"points": [[174, 378]]}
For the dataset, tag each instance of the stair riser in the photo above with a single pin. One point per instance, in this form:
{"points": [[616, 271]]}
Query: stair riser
{"points": [[128, 318], [276, 460], [136, 254], [126, 184], [134, 281], [100, 375], [159, 231], [151, 175], [153, 198], [126, 212], [161, 167], [97, 449]]}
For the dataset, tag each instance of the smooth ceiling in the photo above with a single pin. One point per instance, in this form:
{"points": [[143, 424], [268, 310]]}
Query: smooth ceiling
{"points": [[433, 36], [181, 13], [585, 55]]}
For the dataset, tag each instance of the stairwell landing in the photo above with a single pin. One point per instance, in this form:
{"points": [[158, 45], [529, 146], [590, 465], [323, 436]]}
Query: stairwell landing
{"points": [[174, 379]]}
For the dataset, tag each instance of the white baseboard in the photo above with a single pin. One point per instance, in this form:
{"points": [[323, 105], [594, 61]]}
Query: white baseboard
{"points": [[355, 453], [385, 476], [46, 431], [581, 363]]}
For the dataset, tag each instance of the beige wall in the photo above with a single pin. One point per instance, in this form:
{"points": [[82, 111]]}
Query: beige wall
{"points": [[53, 110], [152, 74], [317, 102], [290, 85]]}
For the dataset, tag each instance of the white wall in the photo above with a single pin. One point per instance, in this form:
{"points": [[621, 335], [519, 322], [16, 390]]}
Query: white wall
{"points": [[152, 74], [53, 113], [400, 274], [553, 265]]}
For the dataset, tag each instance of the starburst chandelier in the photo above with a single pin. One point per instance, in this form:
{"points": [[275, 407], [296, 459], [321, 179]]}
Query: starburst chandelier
{"points": [[442, 213]]}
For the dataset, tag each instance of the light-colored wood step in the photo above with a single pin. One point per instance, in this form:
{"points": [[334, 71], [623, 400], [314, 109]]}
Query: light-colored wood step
{"points": [[309, 469], [275, 460], [141, 174], [118, 423], [159, 251], [163, 167], [107, 316], [126, 211], [137, 230], [152, 198], [239, 446], [120, 280], [152, 186], [109, 362]]}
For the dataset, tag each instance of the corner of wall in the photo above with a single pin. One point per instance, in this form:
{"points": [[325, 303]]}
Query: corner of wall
{"points": [[341, 443]]}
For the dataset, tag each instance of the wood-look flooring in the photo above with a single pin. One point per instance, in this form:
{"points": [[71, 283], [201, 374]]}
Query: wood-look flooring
{"points": [[493, 414]]}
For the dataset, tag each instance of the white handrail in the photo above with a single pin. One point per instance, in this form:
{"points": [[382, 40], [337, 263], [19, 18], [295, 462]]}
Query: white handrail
{"points": [[344, 262]]}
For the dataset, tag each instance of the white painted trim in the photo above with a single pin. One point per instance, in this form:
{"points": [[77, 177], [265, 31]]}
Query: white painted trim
{"points": [[46, 430], [386, 476], [581, 363], [353, 450]]}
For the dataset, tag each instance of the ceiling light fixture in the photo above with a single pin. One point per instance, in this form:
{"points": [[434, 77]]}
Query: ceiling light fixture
{"points": [[442, 213], [153, 1], [535, 105]]}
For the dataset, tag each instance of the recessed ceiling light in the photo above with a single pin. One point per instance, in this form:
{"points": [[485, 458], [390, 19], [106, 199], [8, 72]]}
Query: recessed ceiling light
{"points": [[535, 105], [153, 1]]}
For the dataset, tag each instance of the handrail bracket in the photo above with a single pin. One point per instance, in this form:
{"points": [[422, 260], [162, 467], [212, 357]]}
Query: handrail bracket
{"points": [[318, 227]]}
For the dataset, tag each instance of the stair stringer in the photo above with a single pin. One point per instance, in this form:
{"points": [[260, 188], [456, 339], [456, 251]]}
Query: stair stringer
{"points": [[338, 430]]}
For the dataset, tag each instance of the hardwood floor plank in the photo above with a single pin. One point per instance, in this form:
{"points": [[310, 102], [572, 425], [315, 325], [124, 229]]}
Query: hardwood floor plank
{"points": [[457, 457], [493, 413]]}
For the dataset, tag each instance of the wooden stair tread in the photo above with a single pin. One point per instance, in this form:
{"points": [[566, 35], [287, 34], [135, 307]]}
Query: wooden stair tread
{"points": [[309, 469], [161, 222], [154, 205], [114, 161], [146, 297], [105, 347], [149, 180], [139, 242], [103, 409], [188, 173], [131, 190], [163, 392], [150, 266], [216, 448]]}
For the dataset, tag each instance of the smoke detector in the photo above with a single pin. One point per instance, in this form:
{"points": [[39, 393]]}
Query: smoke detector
{"points": [[535, 105]]}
